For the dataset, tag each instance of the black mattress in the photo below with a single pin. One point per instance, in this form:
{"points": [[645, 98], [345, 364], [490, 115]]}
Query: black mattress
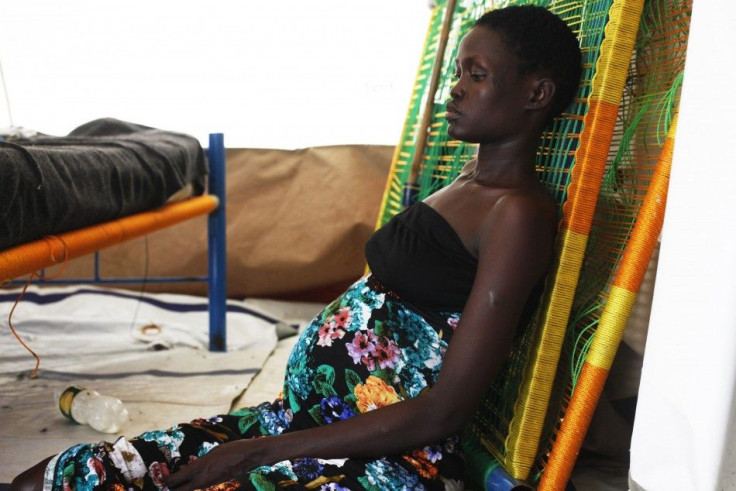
{"points": [[102, 170]]}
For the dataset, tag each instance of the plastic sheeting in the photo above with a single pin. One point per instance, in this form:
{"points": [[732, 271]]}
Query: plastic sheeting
{"points": [[686, 413], [148, 350]]}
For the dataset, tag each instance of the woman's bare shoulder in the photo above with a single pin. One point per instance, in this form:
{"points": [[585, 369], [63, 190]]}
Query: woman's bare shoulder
{"points": [[528, 205]]}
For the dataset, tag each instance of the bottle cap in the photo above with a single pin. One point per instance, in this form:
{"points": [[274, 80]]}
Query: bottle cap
{"points": [[66, 398]]}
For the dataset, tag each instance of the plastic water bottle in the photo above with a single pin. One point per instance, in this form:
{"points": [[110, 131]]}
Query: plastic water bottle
{"points": [[84, 406]]}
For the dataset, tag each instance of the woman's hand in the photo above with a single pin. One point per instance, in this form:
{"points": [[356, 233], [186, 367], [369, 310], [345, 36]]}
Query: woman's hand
{"points": [[220, 464]]}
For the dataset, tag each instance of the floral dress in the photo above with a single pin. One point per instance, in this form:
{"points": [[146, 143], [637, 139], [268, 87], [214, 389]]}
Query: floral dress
{"points": [[367, 349]]}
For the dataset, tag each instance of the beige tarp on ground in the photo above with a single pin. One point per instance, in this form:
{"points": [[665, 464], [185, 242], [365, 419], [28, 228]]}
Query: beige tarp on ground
{"points": [[297, 223]]}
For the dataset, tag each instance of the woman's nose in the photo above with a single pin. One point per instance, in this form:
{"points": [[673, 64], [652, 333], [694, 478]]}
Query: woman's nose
{"points": [[457, 92]]}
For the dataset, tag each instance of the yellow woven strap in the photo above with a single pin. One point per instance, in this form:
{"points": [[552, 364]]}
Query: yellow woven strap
{"points": [[30, 257], [607, 88], [616, 48], [394, 190], [522, 442], [611, 327]]}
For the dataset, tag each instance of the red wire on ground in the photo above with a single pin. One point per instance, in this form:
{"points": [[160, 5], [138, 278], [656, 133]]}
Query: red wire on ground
{"points": [[34, 374]]}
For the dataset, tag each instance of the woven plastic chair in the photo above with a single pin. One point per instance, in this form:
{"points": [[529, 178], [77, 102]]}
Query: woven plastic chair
{"points": [[598, 160]]}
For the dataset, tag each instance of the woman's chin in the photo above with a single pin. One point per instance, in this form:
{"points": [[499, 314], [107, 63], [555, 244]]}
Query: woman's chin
{"points": [[460, 136], [455, 132]]}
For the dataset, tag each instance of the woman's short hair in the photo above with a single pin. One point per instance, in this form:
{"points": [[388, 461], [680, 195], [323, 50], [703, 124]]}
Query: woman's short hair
{"points": [[543, 43]]}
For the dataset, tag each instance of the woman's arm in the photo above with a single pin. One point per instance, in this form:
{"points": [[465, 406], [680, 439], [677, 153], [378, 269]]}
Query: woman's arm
{"points": [[515, 249], [515, 252]]}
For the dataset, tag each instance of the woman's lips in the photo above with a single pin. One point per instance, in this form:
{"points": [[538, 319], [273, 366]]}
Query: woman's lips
{"points": [[452, 113]]}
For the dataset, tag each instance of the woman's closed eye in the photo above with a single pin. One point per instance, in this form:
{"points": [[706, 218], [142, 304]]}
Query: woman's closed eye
{"points": [[474, 75]]}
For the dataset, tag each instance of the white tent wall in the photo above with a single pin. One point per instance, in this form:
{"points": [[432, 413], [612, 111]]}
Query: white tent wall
{"points": [[287, 74], [684, 429]]}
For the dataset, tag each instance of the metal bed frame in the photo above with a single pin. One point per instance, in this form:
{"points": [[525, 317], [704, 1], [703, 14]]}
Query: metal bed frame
{"points": [[216, 277]]}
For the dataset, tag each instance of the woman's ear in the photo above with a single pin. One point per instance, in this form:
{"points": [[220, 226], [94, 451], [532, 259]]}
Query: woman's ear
{"points": [[543, 91]]}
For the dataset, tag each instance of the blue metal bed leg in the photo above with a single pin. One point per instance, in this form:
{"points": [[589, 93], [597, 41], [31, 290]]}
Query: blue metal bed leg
{"points": [[216, 246]]}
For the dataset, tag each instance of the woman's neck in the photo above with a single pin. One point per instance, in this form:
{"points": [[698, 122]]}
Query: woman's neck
{"points": [[507, 165]]}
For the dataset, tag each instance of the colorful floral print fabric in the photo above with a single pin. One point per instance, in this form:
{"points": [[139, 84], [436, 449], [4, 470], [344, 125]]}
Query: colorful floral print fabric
{"points": [[366, 350]]}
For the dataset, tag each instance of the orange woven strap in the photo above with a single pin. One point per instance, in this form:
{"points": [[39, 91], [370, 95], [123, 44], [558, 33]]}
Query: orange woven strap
{"points": [[645, 235], [590, 164], [557, 475], [27, 258]]}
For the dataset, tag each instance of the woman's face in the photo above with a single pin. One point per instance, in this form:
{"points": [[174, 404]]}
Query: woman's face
{"points": [[489, 97]]}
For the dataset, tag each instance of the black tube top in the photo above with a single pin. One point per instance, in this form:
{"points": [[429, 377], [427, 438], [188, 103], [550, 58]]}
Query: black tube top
{"points": [[419, 256]]}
